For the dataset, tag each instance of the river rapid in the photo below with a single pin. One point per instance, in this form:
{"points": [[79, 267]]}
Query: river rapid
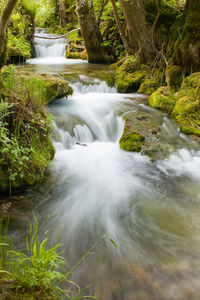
{"points": [[149, 211]]}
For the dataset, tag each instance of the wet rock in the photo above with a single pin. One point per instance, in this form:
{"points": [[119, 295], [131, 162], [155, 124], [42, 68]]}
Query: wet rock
{"points": [[142, 134]]}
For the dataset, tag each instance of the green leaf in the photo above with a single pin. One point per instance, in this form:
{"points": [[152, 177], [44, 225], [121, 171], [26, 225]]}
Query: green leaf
{"points": [[115, 245]]}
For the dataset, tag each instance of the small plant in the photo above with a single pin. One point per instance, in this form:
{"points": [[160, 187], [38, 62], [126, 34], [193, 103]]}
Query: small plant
{"points": [[39, 269]]}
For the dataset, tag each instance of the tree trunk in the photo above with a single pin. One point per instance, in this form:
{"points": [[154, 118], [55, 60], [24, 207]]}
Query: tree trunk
{"points": [[62, 13], [4, 20], [125, 41], [187, 48], [139, 31], [90, 32]]}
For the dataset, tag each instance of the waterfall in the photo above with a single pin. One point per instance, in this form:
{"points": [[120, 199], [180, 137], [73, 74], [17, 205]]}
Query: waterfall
{"points": [[49, 51], [48, 47]]}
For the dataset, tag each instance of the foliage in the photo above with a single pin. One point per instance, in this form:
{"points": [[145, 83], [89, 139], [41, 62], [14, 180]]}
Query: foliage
{"points": [[19, 34], [112, 42], [38, 269]]}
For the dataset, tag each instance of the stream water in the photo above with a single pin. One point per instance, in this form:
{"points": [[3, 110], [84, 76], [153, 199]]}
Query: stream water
{"points": [[151, 210]]}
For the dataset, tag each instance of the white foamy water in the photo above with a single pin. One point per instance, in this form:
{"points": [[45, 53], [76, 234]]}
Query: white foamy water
{"points": [[149, 209]]}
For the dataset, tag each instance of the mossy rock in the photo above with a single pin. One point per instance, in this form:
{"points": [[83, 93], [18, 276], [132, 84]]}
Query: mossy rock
{"points": [[15, 55], [129, 82], [76, 51], [142, 133], [40, 88], [55, 87], [187, 108], [190, 130], [128, 75], [77, 55], [162, 99], [148, 86], [174, 77], [184, 105], [191, 82], [132, 142]]}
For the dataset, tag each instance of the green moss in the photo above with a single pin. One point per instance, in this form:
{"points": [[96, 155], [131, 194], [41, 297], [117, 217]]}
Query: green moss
{"points": [[174, 77], [40, 88], [77, 55], [148, 86], [76, 50], [187, 109], [191, 83], [162, 99], [190, 130], [129, 75], [131, 142]]}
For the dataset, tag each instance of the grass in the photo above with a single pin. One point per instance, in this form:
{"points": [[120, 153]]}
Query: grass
{"points": [[39, 271]]}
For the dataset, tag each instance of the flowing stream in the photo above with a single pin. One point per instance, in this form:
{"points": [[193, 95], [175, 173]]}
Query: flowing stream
{"points": [[149, 211]]}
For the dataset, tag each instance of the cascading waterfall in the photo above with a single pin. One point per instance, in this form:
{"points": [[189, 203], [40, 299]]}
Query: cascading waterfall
{"points": [[49, 51], [149, 210]]}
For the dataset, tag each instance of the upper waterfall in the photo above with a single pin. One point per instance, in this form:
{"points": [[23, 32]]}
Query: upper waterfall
{"points": [[50, 51], [48, 47]]}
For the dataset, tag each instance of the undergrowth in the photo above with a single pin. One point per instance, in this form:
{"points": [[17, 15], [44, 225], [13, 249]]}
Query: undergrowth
{"points": [[25, 128], [39, 271]]}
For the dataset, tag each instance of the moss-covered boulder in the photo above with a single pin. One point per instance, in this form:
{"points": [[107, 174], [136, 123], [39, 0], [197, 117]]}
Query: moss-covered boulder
{"points": [[54, 87], [132, 76], [163, 99], [184, 105], [148, 86], [174, 77], [143, 133], [16, 55], [129, 75], [187, 109], [76, 51], [40, 88], [132, 141], [25, 126]]}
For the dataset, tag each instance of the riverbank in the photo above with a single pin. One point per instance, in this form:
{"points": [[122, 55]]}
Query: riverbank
{"points": [[26, 126], [169, 90]]}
